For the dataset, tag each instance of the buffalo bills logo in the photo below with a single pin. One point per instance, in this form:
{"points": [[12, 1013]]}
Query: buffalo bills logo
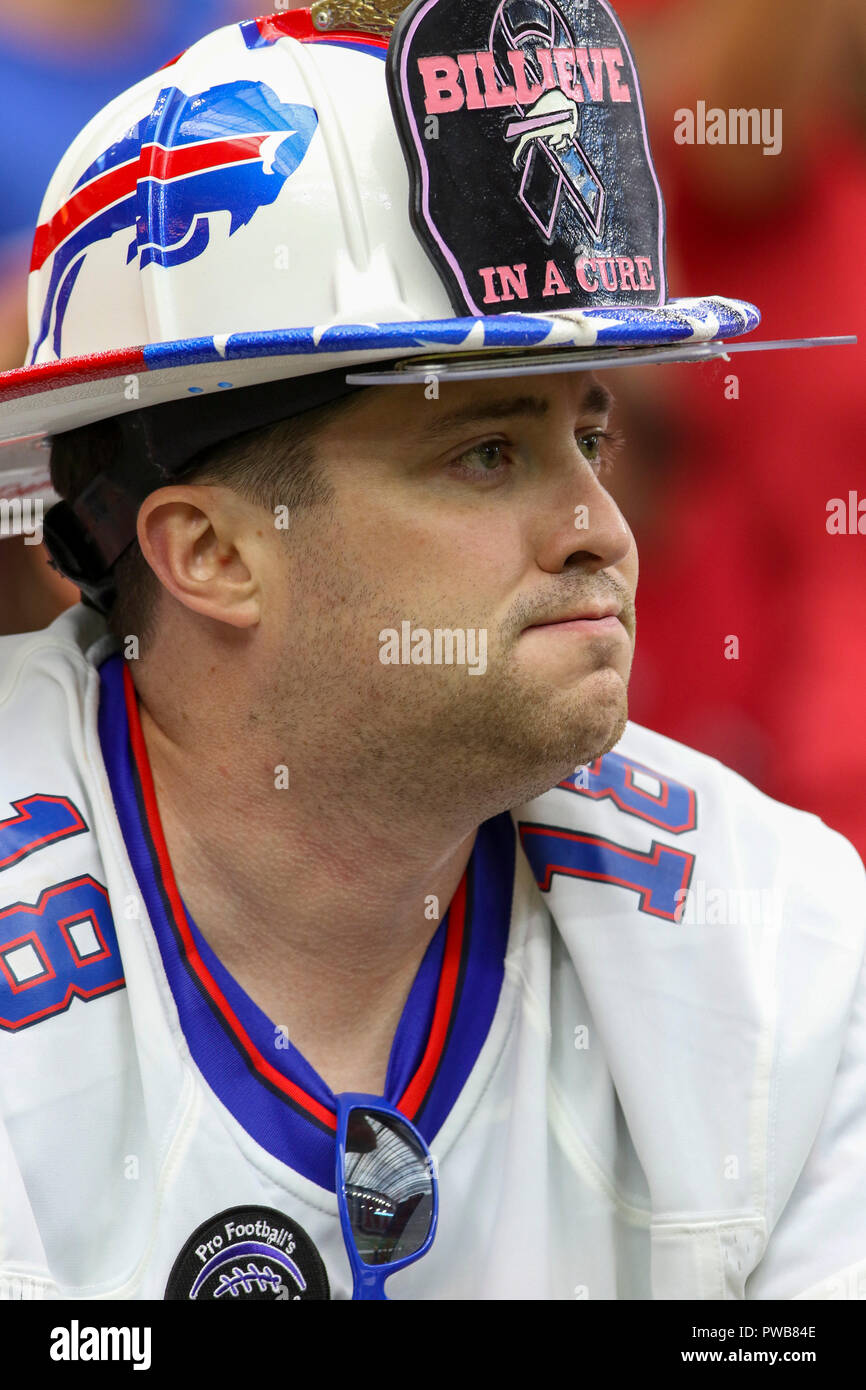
{"points": [[228, 149]]}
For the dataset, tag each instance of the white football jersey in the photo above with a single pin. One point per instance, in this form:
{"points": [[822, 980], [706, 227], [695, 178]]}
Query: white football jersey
{"points": [[636, 1044]]}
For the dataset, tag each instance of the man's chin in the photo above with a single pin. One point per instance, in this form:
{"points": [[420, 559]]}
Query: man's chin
{"points": [[599, 719], [590, 738], [599, 739], [613, 737]]}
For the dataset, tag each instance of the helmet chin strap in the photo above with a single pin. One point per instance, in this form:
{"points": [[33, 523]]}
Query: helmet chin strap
{"points": [[159, 445]]}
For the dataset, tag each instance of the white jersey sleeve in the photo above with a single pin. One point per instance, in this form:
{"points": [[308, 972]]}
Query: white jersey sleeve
{"points": [[734, 1036], [816, 1106]]}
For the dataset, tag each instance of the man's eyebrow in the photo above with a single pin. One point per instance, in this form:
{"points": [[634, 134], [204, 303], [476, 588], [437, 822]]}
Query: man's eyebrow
{"points": [[597, 401]]}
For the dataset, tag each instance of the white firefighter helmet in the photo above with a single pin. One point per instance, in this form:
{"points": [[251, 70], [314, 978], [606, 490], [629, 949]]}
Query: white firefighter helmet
{"points": [[472, 193]]}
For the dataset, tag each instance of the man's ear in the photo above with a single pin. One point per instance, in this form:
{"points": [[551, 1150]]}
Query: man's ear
{"points": [[203, 543]]}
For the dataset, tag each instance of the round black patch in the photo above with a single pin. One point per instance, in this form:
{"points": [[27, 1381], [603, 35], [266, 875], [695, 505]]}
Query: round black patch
{"points": [[249, 1252]]}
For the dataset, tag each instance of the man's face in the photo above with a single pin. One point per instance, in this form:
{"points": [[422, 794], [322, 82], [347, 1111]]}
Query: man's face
{"points": [[480, 512]]}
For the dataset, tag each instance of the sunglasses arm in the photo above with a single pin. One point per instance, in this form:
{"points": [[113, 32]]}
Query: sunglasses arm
{"points": [[369, 1284]]}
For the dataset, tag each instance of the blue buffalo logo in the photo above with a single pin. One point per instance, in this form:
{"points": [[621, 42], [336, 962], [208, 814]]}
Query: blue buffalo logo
{"points": [[230, 148]]}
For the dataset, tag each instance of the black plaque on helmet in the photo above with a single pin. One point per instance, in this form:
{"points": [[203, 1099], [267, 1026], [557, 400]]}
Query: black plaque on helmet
{"points": [[532, 184]]}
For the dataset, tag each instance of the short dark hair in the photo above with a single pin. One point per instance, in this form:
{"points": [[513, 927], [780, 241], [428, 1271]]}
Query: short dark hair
{"points": [[275, 465]]}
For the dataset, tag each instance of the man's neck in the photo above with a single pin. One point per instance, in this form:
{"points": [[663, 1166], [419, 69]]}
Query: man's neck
{"points": [[320, 912]]}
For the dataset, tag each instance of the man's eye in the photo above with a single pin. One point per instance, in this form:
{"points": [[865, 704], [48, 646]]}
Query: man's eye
{"points": [[491, 457], [483, 458], [601, 447]]}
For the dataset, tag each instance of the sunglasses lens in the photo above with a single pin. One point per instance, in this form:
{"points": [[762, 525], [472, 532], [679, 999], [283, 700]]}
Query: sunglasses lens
{"points": [[389, 1188]]}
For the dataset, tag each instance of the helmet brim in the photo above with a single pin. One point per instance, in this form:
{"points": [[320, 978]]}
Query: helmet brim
{"points": [[49, 398]]}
